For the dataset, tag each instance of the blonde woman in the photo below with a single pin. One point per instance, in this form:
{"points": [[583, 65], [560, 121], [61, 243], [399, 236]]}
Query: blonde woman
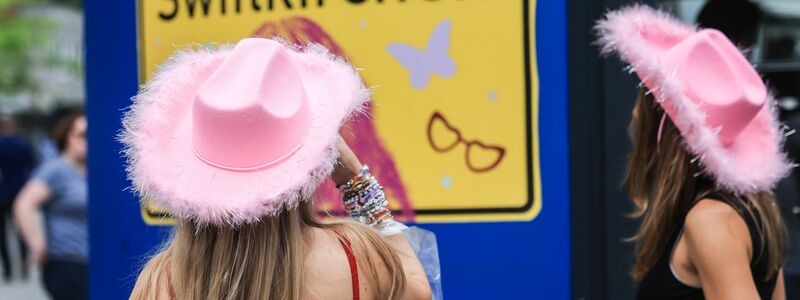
{"points": [[706, 152], [234, 142]]}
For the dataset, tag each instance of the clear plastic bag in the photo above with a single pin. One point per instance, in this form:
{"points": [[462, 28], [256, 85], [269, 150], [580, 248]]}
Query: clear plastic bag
{"points": [[424, 244]]}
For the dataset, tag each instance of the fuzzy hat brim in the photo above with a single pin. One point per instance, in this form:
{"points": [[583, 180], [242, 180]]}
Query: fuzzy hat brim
{"points": [[163, 169], [754, 161]]}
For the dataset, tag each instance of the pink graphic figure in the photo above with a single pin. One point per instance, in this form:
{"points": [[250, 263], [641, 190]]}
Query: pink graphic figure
{"points": [[360, 133]]}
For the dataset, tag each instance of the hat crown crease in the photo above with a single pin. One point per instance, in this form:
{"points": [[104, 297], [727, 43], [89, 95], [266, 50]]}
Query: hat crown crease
{"points": [[736, 97], [253, 110]]}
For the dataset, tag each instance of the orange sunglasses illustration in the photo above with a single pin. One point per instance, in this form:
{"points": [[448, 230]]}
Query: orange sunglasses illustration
{"points": [[438, 120]]}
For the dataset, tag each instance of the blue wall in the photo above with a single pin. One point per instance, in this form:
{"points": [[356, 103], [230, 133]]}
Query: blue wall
{"points": [[517, 260]]}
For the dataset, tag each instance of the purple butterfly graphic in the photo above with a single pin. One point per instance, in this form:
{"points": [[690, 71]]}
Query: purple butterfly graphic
{"points": [[423, 63]]}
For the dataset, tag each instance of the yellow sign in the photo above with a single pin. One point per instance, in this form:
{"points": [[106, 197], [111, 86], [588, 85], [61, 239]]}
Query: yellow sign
{"points": [[453, 134]]}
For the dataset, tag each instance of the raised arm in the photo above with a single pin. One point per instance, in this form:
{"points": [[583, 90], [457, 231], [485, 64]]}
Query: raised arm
{"points": [[417, 286]]}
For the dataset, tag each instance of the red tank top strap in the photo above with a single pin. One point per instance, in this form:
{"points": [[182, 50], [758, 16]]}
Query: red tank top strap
{"points": [[351, 259]]}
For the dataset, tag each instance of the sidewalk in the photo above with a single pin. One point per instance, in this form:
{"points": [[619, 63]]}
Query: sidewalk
{"points": [[26, 290], [17, 288]]}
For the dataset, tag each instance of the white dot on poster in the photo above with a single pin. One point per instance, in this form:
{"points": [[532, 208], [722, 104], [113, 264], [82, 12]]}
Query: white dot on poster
{"points": [[362, 24], [447, 182], [157, 42], [491, 95]]}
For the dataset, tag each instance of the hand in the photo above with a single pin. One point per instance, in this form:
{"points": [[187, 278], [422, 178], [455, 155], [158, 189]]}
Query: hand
{"points": [[347, 166], [38, 255]]}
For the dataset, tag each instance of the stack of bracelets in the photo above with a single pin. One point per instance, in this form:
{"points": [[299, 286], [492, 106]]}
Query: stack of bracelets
{"points": [[364, 199]]}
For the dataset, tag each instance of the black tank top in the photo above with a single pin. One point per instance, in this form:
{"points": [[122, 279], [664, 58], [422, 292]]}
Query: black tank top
{"points": [[660, 283]]}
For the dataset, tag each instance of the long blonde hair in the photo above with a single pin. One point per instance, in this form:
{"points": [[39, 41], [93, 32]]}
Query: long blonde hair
{"points": [[263, 260], [664, 182]]}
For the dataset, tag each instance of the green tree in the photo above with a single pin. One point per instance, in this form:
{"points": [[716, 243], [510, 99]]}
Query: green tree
{"points": [[18, 36], [75, 3]]}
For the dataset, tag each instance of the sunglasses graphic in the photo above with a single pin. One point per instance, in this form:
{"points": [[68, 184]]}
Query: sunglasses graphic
{"points": [[475, 148]]}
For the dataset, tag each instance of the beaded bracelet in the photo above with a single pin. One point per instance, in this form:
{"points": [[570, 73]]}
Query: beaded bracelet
{"points": [[364, 199], [349, 184]]}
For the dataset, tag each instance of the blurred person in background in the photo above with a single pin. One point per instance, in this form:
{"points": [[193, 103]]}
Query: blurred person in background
{"points": [[706, 154], [739, 20], [16, 163], [58, 187]]}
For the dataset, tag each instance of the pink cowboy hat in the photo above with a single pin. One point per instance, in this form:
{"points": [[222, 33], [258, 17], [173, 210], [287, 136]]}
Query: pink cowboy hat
{"points": [[708, 89], [229, 136]]}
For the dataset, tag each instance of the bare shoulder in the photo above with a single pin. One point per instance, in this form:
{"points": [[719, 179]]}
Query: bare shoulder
{"points": [[715, 225], [327, 273], [711, 206], [327, 268], [326, 254], [719, 248], [372, 287], [712, 212]]}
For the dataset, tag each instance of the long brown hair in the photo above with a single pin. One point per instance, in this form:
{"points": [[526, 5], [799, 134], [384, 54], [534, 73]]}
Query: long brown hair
{"points": [[263, 260], [665, 180]]}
